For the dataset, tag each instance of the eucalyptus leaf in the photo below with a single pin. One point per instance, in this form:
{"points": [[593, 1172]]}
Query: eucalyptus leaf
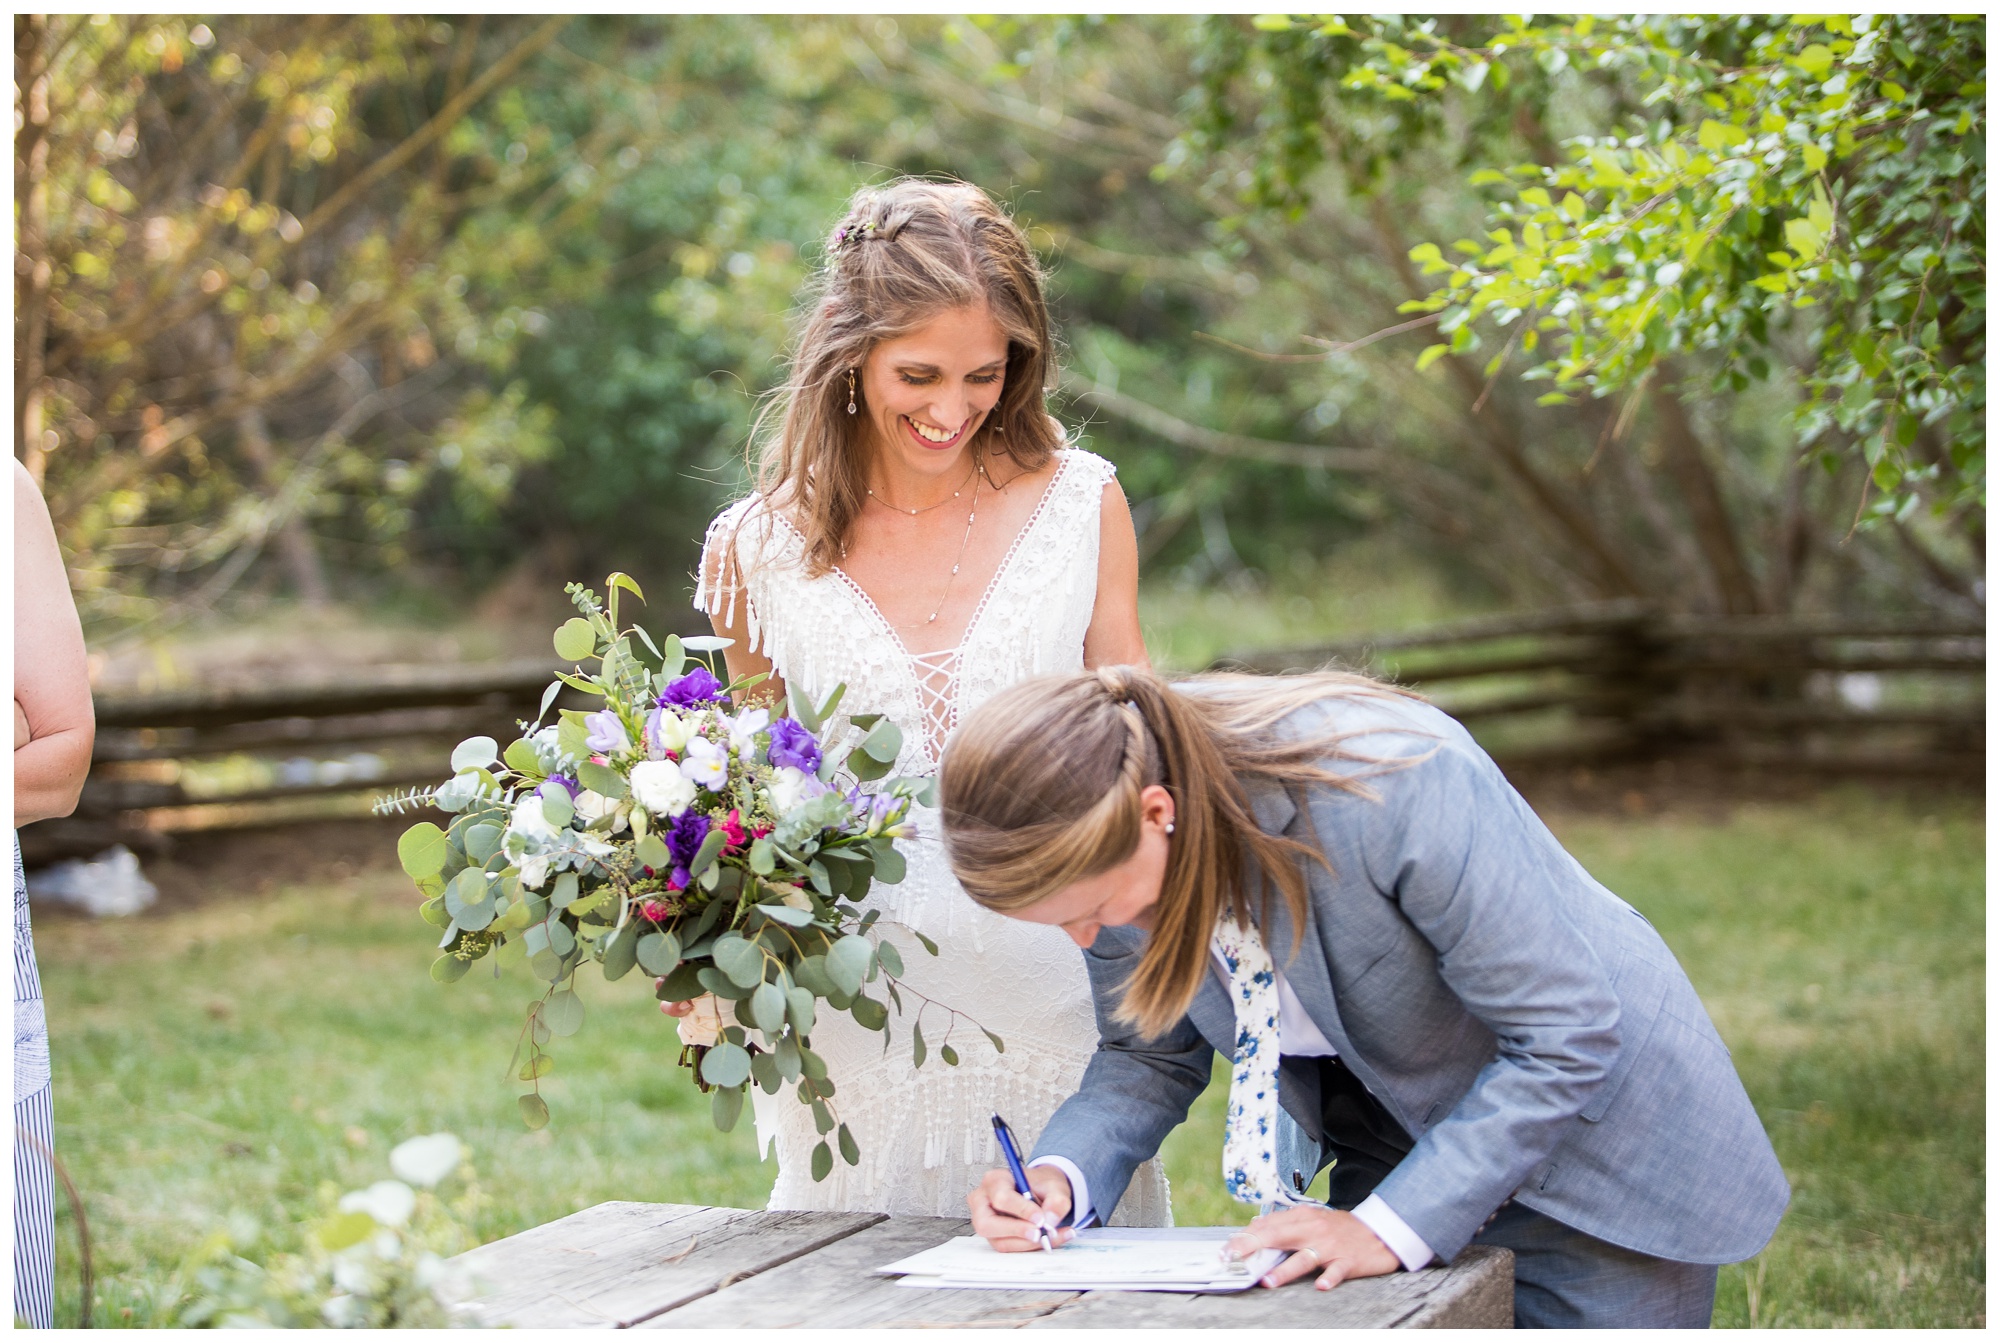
{"points": [[725, 1065], [799, 1003], [999, 1045], [811, 1065], [422, 850], [481, 843], [764, 1070], [449, 969], [741, 960], [765, 1008], [891, 959], [822, 1161], [949, 1055], [929, 945], [719, 984], [652, 852], [435, 913], [726, 1105], [763, 859], [538, 1066], [548, 698], [810, 973], [534, 1111], [682, 984], [563, 1012], [889, 864], [884, 742], [847, 962], [850, 1151], [575, 640], [706, 855], [822, 1117], [557, 807], [917, 1050], [602, 780], [658, 952], [785, 914], [787, 1055], [475, 753], [869, 1013]]}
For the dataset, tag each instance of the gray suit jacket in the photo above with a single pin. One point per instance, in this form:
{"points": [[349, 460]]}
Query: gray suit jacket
{"points": [[1527, 1027]]}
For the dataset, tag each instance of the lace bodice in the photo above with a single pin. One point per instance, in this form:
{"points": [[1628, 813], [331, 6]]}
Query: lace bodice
{"points": [[925, 1135]]}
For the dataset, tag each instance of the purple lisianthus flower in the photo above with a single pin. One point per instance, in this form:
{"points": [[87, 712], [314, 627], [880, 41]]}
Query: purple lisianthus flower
{"points": [[684, 839], [792, 744], [607, 733], [697, 687]]}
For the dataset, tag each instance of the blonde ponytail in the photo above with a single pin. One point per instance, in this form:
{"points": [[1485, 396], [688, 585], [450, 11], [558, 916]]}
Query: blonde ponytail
{"points": [[1040, 790]]}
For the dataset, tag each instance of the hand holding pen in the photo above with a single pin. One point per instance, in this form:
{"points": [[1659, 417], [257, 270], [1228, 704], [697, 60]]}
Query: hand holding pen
{"points": [[1019, 1209]]}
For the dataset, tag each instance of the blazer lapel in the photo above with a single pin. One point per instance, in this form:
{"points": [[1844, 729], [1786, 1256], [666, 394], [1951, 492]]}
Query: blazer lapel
{"points": [[1301, 957]]}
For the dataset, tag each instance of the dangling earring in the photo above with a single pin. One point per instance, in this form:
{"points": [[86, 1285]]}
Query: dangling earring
{"points": [[850, 391]]}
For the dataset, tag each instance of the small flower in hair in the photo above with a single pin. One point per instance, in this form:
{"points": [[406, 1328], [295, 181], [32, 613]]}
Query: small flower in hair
{"points": [[840, 235]]}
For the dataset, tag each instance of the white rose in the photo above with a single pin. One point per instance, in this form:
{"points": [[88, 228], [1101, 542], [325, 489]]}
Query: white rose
{"points": [[534, 870], [661, 788], [593, 807]]}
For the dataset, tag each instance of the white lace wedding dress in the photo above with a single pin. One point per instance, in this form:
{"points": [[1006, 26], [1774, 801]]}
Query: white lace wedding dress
{"points": [[926, 1135]]}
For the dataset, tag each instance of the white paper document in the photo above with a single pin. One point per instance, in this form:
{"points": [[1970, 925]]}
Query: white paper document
{"points": [[1115, 1258]]}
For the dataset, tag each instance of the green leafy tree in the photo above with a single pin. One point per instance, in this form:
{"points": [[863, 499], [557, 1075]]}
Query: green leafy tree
{"points": [[1743, 193]]}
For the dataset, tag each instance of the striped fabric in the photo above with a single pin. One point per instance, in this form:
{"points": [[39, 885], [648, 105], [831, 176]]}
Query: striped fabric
{"points": [[34, 1129]]}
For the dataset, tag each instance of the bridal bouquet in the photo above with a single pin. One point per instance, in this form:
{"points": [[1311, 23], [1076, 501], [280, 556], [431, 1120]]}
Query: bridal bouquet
{"points": [[724, 848]]}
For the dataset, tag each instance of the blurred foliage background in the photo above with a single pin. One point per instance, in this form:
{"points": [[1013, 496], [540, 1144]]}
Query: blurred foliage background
{"points": [[377, 310]]}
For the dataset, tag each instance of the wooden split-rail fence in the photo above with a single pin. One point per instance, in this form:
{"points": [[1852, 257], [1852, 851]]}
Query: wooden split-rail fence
{"points": [[1615, 681]]}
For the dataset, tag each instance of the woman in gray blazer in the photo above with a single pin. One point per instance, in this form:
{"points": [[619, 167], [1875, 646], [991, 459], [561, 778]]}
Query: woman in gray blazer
{"points": [[1328, 881]]}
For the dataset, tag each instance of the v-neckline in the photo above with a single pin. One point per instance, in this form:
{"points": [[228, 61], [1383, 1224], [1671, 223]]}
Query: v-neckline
{"points": [[992, 584]]}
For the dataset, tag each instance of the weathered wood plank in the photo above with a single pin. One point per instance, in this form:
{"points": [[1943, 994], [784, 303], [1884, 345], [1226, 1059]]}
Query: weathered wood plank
{"points": [[836, 1288], [619, 1264], [1476, 1291]]}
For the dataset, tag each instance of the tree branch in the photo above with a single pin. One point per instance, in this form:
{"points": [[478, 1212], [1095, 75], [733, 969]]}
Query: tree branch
{"points": [[1178, 431]]}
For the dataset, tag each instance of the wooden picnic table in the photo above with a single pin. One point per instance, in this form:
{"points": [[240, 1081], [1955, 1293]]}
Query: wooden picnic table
{"points": [[673, 1265]]}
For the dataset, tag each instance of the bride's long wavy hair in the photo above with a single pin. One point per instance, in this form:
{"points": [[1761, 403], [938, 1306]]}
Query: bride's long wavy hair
{"points": [[902, 254], [1040, 790]]}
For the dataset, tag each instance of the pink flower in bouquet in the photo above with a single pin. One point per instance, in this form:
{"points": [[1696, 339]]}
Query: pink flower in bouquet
{"points": [[732, 826], [655, 911]]}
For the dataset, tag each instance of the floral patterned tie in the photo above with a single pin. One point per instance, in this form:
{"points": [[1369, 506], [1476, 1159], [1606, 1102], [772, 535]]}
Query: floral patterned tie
{"points": [[1249, 1142]]}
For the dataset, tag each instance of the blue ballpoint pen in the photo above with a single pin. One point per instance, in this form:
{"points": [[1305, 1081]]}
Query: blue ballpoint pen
{"points": [[1018, 1171]]}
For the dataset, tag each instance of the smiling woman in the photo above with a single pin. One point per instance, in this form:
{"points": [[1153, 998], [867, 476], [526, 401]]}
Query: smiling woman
{"points": [[921, 537]]}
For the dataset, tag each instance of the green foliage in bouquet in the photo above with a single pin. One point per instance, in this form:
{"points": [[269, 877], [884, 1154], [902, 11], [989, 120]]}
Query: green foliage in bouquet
{"points": [[720, 846]]}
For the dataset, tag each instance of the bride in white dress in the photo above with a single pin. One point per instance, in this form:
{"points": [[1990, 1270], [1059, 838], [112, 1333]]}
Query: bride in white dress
{"points": [[921, 534]]}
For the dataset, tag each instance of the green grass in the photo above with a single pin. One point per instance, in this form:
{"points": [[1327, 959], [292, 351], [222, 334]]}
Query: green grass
{"points": [[240, 1053]]}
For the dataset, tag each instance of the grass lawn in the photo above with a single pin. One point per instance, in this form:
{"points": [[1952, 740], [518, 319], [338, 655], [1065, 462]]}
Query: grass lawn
{"points": [[240, 1052]]}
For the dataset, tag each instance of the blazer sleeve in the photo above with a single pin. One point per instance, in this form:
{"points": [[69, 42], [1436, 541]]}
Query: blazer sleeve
{"points": [[1134, 1091], [1481, 879]]}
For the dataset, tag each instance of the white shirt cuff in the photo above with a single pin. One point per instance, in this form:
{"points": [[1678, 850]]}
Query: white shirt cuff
{"points": [[1394, 1232], [1079, 1188]]}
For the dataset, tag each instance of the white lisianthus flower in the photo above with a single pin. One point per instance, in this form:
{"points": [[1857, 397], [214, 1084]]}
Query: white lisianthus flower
{"points": [[529, 820], [661, 788], [744, 729], [426, 1160], [784, 790], [534, 870], [706, 764], [667, 730]]}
